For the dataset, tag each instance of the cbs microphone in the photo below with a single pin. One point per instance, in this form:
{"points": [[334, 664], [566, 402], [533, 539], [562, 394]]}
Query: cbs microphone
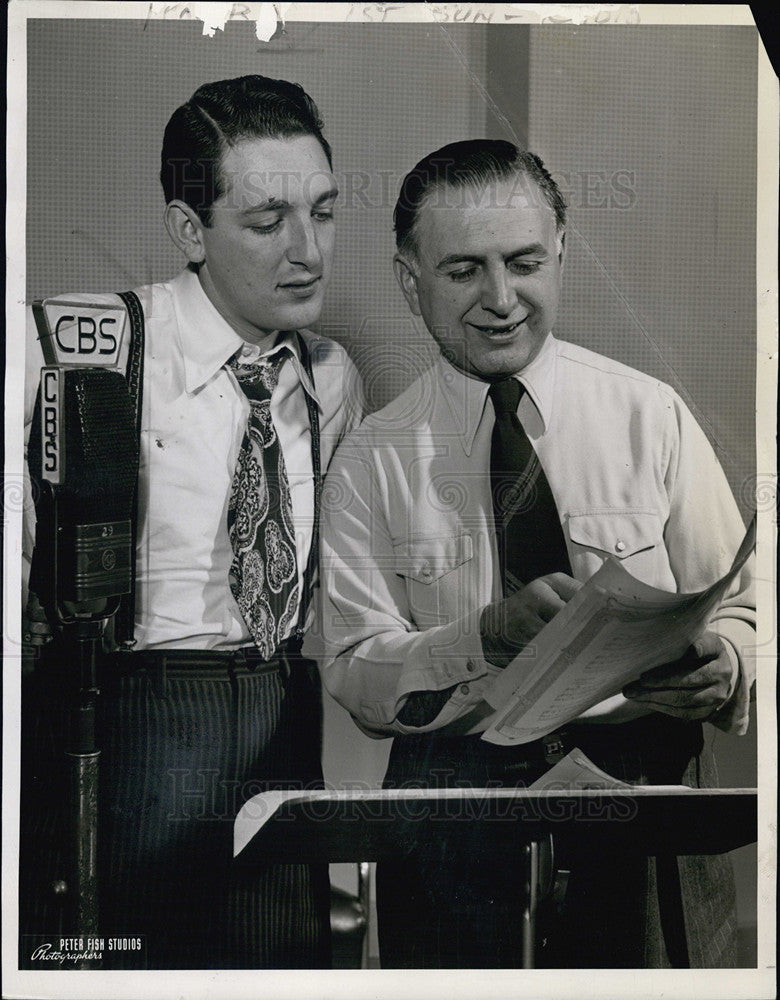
{"points": [[83, 460]]}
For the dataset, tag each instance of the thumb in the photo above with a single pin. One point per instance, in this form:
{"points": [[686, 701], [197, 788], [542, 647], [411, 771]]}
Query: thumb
{"points": [[565, 586], [707, 646]]}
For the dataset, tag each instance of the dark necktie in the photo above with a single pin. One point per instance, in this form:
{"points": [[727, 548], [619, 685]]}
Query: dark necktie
{"points": [[528, 528], [264, 573]]}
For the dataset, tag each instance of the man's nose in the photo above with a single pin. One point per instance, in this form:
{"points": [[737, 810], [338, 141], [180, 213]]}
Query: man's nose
{"points": [[304, 247], [497, 295]]}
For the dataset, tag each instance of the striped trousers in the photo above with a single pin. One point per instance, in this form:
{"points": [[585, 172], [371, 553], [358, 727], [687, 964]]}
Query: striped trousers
{"points": [[181, 751]]}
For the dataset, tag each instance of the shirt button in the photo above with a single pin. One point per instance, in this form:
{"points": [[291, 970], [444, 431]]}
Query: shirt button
{"points": [[620, 546], [471, 666], [464, 689], [425, 571]]}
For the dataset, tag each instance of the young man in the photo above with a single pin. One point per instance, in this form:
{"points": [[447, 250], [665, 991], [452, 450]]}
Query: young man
{"points": [[479, 501], [242, 408]]}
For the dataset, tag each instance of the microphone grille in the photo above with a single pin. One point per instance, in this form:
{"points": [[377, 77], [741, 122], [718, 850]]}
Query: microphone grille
{"points": [[100, 447]]}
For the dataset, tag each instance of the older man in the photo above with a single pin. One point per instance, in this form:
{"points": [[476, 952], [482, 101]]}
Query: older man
{"points": [[477, 503], [208, 700]]}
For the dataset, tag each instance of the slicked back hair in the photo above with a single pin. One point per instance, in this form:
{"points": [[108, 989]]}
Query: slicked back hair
{"points": [[471, 163], [215, 118]]}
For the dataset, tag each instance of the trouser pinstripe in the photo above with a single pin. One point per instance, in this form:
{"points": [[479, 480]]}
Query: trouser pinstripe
{"points": [[180, 753], [449, 903]]}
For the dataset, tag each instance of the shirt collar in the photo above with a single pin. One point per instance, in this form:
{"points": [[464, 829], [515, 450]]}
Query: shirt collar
{"points": [[208, 341], [466, 395]]}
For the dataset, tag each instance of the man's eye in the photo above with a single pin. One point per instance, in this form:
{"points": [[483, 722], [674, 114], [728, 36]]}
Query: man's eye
{"points": [[322, 214], [269, 228], [524, 266], [462, 275]]}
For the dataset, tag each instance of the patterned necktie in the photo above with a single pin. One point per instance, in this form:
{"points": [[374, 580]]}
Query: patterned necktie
{"points": [[264, 573], [528, 528]]}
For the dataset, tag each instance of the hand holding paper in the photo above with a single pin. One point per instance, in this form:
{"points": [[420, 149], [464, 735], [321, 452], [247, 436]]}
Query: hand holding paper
{"points": [[692, 687], [509, 625], [610, 636]]}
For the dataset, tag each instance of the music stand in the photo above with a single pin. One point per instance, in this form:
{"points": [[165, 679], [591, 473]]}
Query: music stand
{"points": [[345, 825]]}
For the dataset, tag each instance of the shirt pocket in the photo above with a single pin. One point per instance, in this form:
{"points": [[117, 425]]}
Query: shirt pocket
{"points": [[435, 570], [635, 537]]}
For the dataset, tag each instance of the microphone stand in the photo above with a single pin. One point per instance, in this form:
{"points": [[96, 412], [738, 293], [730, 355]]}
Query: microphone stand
{"points": [[83, 770], [82, 565], [80, 625]]}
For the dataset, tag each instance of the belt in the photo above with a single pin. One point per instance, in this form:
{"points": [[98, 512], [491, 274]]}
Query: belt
{"points": [[246, 657], [649, 733], [547, 750]]}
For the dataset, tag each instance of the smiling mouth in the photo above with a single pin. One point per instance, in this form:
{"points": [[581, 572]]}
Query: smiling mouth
{"points": [[505, 330]]}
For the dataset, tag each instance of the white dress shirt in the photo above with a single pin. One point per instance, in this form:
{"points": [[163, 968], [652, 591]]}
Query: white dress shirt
{"points": [[194, 417], [409, 558]]}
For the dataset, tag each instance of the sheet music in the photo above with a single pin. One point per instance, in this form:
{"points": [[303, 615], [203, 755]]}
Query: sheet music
{"points": [[577, 771], [612, 630]]}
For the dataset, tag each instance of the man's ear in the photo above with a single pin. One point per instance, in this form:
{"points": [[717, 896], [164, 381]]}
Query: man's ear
{"points": [[185, 229], [406, 276]]}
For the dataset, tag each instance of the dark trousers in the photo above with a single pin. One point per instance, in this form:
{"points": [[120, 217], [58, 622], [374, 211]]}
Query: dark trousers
{"points": [[181, 750], [447, 902]]}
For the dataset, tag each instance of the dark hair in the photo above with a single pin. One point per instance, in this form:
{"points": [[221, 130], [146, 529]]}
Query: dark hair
{"points": [[216, 117], [469, 163]]}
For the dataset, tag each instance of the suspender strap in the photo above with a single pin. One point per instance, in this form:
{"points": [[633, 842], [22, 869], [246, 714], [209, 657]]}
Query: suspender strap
{"points": [[316, 463], [124, 626]]}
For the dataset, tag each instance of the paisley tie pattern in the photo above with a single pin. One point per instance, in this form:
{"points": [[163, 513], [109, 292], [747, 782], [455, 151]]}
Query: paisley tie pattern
{"points": [[264, 573]]}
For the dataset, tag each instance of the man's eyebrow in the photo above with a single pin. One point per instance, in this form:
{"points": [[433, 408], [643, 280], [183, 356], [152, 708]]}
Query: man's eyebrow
{"points": [[455, 258], [327, 195], [533, 249], [271, 205], [280, 205]]}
